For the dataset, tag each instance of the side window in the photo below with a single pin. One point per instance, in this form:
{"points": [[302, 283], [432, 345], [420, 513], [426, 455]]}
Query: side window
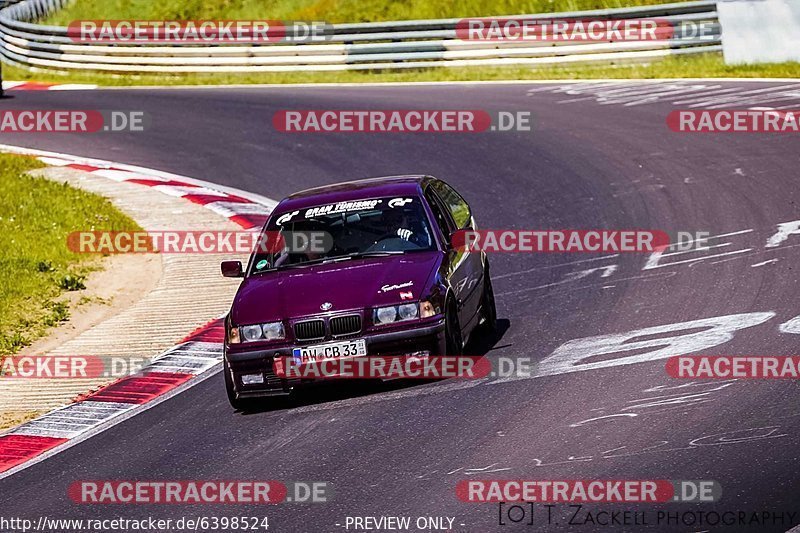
{"points": [[438, 214], [459, 209]]}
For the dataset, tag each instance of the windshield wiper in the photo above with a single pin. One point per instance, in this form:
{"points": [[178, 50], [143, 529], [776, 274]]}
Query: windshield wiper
{"points": [[304, 263], [374, 253], [324, 260]]}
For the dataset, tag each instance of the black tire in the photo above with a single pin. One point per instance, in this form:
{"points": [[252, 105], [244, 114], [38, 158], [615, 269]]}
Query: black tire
{"points": [[237, 403], [488, 307], [452, 331]]}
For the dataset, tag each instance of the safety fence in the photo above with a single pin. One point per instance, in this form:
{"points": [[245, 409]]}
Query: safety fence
{"points": [[364, 46]]}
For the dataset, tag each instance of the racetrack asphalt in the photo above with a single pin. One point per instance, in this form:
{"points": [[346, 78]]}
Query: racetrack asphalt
{"points": [[393, 450]]}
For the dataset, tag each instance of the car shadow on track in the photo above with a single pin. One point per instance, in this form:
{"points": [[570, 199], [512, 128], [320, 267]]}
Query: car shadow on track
{"points": [[331, 391]]}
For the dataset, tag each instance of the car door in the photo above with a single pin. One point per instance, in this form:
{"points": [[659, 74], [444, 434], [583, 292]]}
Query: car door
{"points": [[465, 269]]}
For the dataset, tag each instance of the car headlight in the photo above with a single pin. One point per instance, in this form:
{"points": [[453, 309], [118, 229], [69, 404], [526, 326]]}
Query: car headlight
{"points": [[257, 332], [408, 311], [251, 333], [384, 315], [272, 330], [396, 313]]}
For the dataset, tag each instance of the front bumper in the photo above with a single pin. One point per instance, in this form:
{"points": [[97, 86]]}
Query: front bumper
{"points": [[429, 336]]}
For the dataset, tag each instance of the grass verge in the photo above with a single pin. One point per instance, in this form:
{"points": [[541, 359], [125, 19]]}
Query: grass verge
{"points": [[36, 215], [697, 66], [332, 11]]}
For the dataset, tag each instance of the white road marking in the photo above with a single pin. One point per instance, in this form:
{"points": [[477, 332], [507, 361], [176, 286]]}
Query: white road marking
{"points": [[569, 277], [767, 262], [735, 99], [653, 261], [606, 417], [520, 272], [785, 229], [707, 94], [791, 326], [570, 356]]}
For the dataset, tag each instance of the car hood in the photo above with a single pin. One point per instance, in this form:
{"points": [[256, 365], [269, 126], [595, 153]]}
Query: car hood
{"points": [[353, 284]]}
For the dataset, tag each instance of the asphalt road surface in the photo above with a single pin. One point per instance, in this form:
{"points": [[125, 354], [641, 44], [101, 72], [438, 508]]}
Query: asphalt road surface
{"points": [[396, 450]]}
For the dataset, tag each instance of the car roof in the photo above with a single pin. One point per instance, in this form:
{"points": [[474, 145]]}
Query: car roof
{"points": [[409, 185]]}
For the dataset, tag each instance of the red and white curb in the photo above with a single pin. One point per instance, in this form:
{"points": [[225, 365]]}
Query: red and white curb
{"points": [[247, 210], [190, 362], [44, 86], [194, 359]]}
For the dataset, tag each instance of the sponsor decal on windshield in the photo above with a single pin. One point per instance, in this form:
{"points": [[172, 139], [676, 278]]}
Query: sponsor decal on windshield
{"points": [[400, 202], [286, 217], [342, 207]]}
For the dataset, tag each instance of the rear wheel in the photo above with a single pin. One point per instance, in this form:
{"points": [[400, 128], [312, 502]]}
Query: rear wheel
{"points": [[237, 403], [452, 330]]}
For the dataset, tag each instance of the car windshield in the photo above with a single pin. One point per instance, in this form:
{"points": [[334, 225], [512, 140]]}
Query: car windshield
{"points": [[345, 230]]}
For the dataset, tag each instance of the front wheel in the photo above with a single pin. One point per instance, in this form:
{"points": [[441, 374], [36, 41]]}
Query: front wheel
{"points": [[452, 331], [488, 307]]}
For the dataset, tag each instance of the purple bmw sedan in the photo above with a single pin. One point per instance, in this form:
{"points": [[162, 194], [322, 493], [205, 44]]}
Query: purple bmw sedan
{"points": [[366, 268]]}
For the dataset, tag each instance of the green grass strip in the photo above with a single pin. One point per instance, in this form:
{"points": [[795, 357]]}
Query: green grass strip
{"points": [[36, 268]]}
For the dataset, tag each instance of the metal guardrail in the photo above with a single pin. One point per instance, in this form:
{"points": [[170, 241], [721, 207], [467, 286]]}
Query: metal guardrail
{"points": [[367, 46]]}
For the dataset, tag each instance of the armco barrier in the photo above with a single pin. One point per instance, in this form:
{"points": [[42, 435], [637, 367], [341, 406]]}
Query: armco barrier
{"points": [[380, 45]]}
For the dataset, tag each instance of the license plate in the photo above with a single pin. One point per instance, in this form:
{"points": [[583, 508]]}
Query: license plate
{"points": [[333, 350]]}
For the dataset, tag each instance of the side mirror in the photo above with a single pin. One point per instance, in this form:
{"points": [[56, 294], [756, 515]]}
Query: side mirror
{"points": [[232, 269]]}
